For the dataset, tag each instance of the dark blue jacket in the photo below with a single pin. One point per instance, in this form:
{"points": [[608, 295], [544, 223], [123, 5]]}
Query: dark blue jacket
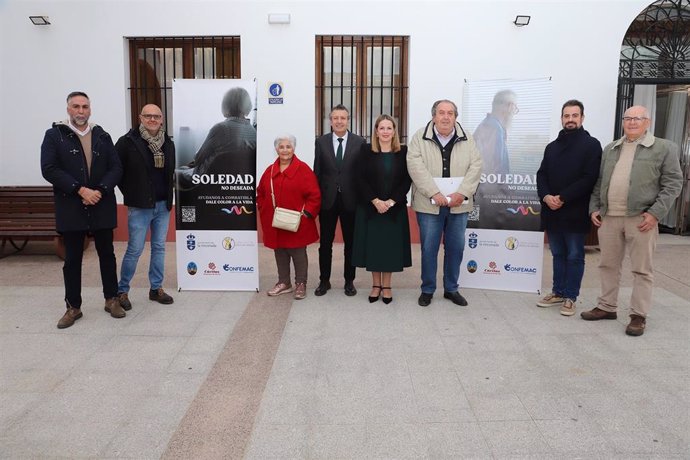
{"points": [[63, 164], [137, 183], [570, 168]]}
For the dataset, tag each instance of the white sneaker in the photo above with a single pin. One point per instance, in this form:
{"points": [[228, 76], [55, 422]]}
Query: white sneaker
{"points": [[568, 308], [550, 300]]}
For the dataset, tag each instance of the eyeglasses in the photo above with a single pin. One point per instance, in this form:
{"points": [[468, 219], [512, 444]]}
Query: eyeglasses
{"points": [[149, 116], [635, 119]]}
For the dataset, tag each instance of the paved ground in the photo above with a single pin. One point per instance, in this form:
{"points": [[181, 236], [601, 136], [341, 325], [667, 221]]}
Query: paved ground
{"points": [[241, 375]]}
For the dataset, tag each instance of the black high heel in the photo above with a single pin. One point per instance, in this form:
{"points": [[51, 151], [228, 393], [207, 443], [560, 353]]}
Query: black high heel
{"points": [[386, 300], [374, 299]]}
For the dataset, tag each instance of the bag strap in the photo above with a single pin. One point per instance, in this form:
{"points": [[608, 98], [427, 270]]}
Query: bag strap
{"points": [[273, 197]]}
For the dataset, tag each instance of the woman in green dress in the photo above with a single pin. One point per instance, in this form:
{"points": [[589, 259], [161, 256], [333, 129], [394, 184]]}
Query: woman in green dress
{"points": [[382, 231]]}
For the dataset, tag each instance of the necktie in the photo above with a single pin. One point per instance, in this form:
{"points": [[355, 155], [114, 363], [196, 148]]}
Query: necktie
{"points": [[339, 153]]}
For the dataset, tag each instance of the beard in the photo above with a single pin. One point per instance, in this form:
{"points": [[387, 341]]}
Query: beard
{"points": [[570, 127], [79, 121]]}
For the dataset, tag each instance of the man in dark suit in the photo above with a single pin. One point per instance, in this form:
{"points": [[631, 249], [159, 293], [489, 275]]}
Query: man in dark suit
{"points": [[335, 158]]}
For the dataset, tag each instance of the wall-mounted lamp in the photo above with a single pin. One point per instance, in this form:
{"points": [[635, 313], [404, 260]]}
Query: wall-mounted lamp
{"points": [[521, 20], [39, 20], [279, 18]]}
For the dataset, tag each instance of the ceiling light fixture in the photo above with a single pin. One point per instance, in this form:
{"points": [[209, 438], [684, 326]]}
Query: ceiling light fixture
{"points": [[39, 20]]}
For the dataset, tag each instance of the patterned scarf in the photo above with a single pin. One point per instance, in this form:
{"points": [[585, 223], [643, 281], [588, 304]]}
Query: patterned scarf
{"points": [[155, 144]]}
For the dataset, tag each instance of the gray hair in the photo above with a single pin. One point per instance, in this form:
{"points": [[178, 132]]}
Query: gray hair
{"points": [[440, 101], [503, 97], [645, 111], [285, 137], [236, 103]]}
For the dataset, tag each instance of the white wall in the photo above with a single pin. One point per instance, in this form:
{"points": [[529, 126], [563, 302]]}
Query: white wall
{"points": [[576, 42]]}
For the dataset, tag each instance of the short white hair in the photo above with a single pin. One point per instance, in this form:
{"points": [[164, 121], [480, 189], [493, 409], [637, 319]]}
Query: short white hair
{"points": [[285, 137]]}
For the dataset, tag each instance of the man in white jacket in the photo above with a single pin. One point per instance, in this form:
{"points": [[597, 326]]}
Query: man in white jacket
{"points": [[442, 149]]}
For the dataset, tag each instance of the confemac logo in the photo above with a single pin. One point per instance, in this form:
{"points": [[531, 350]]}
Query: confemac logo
{"points": [[527, 270], [235, 269]]}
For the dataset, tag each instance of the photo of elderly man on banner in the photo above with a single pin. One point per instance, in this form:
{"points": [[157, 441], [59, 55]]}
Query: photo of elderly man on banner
{"points": [[509, 121], [215, 131]]}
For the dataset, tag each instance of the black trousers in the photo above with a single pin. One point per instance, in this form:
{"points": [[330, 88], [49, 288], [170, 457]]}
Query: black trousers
{"points": [[328, 219], [74, 254]]}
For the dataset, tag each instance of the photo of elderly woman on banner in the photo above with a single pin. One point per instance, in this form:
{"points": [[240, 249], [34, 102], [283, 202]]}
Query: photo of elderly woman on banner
{"points": [[215, 134]]}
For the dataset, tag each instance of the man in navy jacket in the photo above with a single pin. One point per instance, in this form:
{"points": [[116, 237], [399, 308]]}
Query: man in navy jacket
{"points": [[79, 159], [565, 180]]}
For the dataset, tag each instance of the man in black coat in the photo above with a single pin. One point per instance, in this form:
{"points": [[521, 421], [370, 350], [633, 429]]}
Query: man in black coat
{"points": [[335, 160], [148, 162], [79, 159], [565, 180]]}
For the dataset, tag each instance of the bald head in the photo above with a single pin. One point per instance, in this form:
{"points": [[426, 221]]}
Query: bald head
{"points": [[151, 117], [636, 122]]}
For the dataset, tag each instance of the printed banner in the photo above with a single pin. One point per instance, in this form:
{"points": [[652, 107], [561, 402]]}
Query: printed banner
{"points": [[509, 120], [215, 134], [502, 260]]}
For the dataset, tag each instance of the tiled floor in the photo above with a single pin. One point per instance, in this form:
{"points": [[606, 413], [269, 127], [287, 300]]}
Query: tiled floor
{"points": [[236, 374]]}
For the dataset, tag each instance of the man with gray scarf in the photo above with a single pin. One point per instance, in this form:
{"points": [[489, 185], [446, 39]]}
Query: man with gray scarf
{"points": [[148, 161]]}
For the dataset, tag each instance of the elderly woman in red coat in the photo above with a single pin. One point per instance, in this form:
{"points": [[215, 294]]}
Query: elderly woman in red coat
{"points": [[295, 187]]}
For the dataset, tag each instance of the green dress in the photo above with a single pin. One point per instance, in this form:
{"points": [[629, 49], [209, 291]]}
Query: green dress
{"points": [[381, 242]]}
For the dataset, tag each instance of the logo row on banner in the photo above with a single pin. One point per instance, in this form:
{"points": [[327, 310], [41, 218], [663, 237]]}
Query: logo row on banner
{"points": [[505, 261], [217, 260]]}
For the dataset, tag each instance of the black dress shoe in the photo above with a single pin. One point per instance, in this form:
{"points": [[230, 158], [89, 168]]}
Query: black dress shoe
{"points": [[323, 288], [373, 299], [350, 289], [424, 300], [456, 298], [386, 300]]}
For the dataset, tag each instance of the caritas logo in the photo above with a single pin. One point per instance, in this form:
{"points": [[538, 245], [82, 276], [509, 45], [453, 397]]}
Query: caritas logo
{"points": [[212, 269], [493, 269]]}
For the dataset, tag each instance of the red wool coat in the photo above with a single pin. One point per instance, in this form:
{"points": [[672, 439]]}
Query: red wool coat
{"points": [[295, 187]]}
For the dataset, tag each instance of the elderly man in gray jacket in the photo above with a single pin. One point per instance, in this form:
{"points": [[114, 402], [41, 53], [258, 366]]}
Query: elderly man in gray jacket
{"points": [[640, 177], [441, 150]]}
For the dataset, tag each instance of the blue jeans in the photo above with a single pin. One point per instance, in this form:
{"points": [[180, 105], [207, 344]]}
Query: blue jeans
{"points": [[138, 222], [431, 228], [568, 251]]}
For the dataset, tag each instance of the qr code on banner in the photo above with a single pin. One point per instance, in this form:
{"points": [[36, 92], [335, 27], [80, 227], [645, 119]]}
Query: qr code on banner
{"points": [[474, 214], [188, 214]]}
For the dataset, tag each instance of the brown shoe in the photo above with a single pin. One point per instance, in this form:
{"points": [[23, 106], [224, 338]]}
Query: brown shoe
{"points": [[123, 298], [70, 316], [636, 326], [113, 307], [160, 296], [595, 314]]}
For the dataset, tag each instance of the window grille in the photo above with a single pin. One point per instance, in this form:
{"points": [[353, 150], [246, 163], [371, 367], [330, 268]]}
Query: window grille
{"points": [[155, 61], [367, 74]]}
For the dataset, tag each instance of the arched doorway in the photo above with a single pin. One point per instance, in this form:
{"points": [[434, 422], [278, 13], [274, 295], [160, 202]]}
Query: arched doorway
{"points": [[654, 71]]}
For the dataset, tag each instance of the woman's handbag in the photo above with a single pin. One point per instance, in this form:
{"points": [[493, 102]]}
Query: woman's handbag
{"points": [[283, 218]]}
